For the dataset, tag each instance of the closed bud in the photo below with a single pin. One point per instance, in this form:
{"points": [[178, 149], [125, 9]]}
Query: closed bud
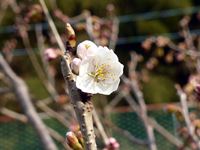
{"points": [[75, 64], [50, 54], [112, 144], [80, 137], [73, 141]]}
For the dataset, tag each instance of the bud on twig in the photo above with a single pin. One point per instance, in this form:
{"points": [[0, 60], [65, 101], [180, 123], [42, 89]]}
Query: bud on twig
{"points": [[73, 141]]}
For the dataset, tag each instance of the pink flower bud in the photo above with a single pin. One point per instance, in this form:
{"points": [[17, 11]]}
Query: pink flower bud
{"points": [[112, 144], [50, 54], [75, 65]]}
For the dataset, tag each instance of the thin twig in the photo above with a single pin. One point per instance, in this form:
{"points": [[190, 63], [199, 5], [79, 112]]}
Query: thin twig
{"points": [[114, 101], [139, 96], [24, 119], [52, 25], [26, 41], [23, 98], [127, 134], [89, 29], [40, 42], [53, 114], [14, 115], [99, 126], [185, 112], [155, 124], [114, 34]]}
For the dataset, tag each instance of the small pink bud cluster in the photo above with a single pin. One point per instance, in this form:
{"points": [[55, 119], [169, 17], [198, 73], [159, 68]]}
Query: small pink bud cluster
{"points": [[50, 54], [112, 144]]}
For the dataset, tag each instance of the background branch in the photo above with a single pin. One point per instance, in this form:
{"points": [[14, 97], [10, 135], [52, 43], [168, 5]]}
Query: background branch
{"points": [[24, 100]]}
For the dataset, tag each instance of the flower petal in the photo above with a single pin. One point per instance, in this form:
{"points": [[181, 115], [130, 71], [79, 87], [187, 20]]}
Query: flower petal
{"points": [[107, 89], [86, 48], [86, 84]]}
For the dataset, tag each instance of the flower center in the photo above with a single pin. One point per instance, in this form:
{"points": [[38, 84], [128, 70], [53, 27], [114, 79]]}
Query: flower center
{"points": [[100, 73], [87, 46]]}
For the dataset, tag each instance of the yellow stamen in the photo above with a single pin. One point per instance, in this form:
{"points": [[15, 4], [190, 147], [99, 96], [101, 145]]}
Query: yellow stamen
{"points": [[87, 46], [101, 72]]}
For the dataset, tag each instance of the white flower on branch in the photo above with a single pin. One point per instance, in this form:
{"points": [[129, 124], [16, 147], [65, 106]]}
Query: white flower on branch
{"points": [[99, 71], [86, 48]]}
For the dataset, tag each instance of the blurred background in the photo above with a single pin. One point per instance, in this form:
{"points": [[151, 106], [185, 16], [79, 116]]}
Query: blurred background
{"points": [[144, 27], [138, 21]]}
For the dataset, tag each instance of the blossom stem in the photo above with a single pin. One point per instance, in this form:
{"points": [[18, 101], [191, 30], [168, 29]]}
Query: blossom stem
{"points": [[81, 101]]}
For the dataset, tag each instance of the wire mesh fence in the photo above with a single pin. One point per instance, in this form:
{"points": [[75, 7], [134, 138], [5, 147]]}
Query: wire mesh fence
{"points": [[15, 135], [131, 122]]}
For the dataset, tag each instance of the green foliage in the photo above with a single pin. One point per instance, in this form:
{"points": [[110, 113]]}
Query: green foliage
{"points": [[170, 4], [151, 27], [99, 7], [36, 87], [159, 88]]}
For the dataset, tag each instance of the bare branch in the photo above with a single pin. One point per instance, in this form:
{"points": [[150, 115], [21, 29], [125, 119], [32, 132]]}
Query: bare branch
{"points": [[139, 96], [114, 101], [172, 139], [82, 104], [14, 115], [26, 41], [52, 25], [190, 127], [127, 134], [53, 114], [23, 98], [100, 126], [24, 119], [114, 35], [50, 80]]}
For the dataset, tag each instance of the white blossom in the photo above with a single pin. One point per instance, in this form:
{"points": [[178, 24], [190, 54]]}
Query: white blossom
{"points": [[99, 72], [86, 48]]}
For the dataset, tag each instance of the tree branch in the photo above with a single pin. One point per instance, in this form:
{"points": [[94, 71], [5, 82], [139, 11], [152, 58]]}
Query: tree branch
{"points": [[24, 119], [24, 100], [185, 112], [81, 101], [52, 113], [100, 126]]}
